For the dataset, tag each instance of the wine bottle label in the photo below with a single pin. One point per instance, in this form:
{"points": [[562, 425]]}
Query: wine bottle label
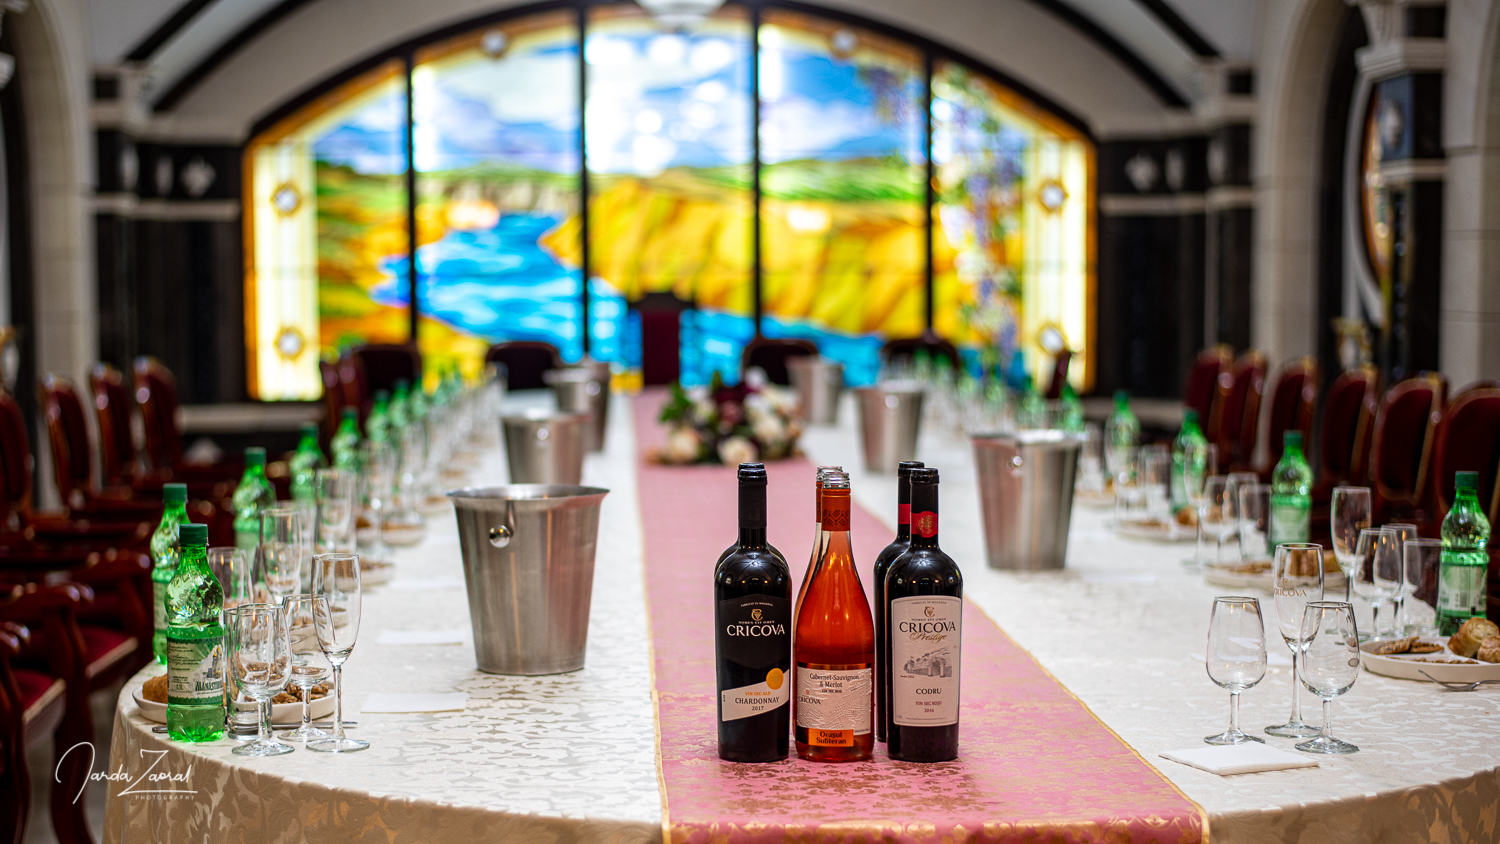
{"points": [[925, 633], [903, 514], [834, 705], [766, 696], [924, 524], [755, 639], [195, 669]]}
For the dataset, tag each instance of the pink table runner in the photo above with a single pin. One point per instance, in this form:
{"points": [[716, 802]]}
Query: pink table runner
{"points": [[1034, 764]]}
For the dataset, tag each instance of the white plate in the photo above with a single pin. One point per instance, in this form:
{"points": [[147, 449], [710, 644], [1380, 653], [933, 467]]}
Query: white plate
{"points": [[1094, 500], [1405, 666], [403, 536], [374, 573], [281, 713], [1155, 532], [1215, 576]]}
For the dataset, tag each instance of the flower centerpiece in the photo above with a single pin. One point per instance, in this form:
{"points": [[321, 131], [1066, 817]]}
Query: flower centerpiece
{"points": [[729, 425]]}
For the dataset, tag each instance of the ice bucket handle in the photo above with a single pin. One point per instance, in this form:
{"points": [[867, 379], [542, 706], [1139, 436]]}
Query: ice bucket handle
{"points": [[500, 535]]}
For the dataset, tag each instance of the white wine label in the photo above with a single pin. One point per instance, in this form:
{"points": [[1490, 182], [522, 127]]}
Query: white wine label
{"points": [[925, 633], [745, 701], [834, 706], [195, 669]]}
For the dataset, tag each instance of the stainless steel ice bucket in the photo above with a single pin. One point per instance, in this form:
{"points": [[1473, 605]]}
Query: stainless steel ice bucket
{"points": [[1026, 496], [890, 417], [529, 565], [545, 448], [579, 390], [819, 382]]}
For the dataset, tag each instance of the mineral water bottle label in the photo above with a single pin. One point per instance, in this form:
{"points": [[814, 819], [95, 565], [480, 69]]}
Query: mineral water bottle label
{"points": [[1461, 590], [195, 669], [834, 705], [159, 606], [1291, 519], [925, 633]]}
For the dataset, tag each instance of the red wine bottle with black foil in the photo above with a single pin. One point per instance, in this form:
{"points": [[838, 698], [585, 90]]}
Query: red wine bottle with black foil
{"points": [[753, 635], [883, 562], [924, 611]]}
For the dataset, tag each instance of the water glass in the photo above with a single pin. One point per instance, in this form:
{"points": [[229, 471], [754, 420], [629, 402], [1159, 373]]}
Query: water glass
{"points": [[335, 610], [1198, 464], [1255, 521], [1236, 658], [279, 557], [232, 567], [1330, 665], [1296, 581], [1377, 570], [1404, 532], [377, 487], [1091, 460], [1156, 480], [1218, 515], [309, 666], [1420, 573], [259, 662], [1123, 462], [335, 510], [1348, 514]]}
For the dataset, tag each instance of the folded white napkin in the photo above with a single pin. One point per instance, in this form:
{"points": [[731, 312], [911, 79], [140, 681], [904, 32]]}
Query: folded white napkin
{"points": [[422, 637], [395, 702], [1248, 758], [427, 583]]}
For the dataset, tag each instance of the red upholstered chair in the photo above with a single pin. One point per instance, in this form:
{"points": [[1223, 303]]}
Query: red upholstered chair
{"points": [[352, 387], [661, 345], [905, 348], [333, 401], [1235, 422], [1294, 401], [1060, 366], [118, 462], [21, 695], [156, 396], [1201, 388], [386, 363], [1401, 451], [67, 434], [525, 361], [1348, 425], [1467, 440], [771, 356]]}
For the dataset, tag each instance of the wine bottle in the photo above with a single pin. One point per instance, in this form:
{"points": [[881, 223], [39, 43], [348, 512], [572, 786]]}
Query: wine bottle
{"points": [[883, 563], [924, 602], [753, 641], [819, 537], [834, 646]]}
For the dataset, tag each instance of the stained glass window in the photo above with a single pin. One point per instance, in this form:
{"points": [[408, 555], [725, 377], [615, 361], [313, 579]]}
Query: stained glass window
{"points": [[327, 233], [663, 147]]}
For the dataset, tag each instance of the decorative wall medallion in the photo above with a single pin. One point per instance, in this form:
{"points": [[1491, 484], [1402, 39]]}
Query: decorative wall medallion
{"points": [[1176, 170], [130, 166], [494, 43], [290, 343], [286, 199], [1142, 172], [197, 177], [844, 42], [163, 175]]}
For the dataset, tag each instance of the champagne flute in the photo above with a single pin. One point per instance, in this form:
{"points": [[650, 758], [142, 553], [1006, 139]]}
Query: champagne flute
{"points": [[1349, 514], [309, 666], [1236, 658], [1330, 665], [1405, 532], [335, 503], [1237, 482], [378, 487], [1296, 581], [1422, 562], [1377, 570], [1255, 521], [1218, 515], [232, 568], [279, 555], [260, 663], [335, 609]]}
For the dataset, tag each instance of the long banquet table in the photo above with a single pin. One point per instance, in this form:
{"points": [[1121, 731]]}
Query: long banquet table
{"points": [[574, 757]]}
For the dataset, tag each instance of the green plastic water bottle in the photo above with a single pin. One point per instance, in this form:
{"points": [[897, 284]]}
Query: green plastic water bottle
{"points": [[253, 495], [164, 561], [1291, 494], [1190, 435], [345, 443], [1462, 593], [400, 408], [305, 463], [195, 643], [1071, 417], [378, 423]]}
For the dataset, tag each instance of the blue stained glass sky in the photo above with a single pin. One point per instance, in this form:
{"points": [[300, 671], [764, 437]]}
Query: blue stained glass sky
{"points": [[372, 138]]}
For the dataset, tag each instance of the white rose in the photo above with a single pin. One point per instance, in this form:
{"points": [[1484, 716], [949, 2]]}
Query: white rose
{"points": [[703, 410], [736, 450], [768, 430], [683, 445]]}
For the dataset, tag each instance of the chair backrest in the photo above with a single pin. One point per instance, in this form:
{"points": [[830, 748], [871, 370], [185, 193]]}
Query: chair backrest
{"points": [[386, 363], [524, 361], [333, 400], [905, 348], [771, 356], [1294, 400], [352, 385], [1060, 366], [1467, 440], [156, 395], [1202, 385], [112, 415], [68, 435], [1402, 446], [16, 464], [1348, 423], [1235, 419]]}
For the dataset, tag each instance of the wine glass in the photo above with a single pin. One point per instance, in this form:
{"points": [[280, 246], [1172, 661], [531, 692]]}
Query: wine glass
{"points": [[1236, 658], [378, 487], [335, 609], [1218, 516], [309, 666], [335, 509], [232, 568], [1420, 570], [1255, 521], [259, 662], [1349, 513], [1330, 665], [279, 556], [1404, 532], [1156, 480], [1237, 482], [1199, 463], [1296, 581], [1377, 570], [1123, 465]]}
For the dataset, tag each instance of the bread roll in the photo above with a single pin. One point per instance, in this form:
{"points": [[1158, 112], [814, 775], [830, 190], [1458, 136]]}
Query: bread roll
{"points": [[1489, 651], [1471, 635], [155, 689]]}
